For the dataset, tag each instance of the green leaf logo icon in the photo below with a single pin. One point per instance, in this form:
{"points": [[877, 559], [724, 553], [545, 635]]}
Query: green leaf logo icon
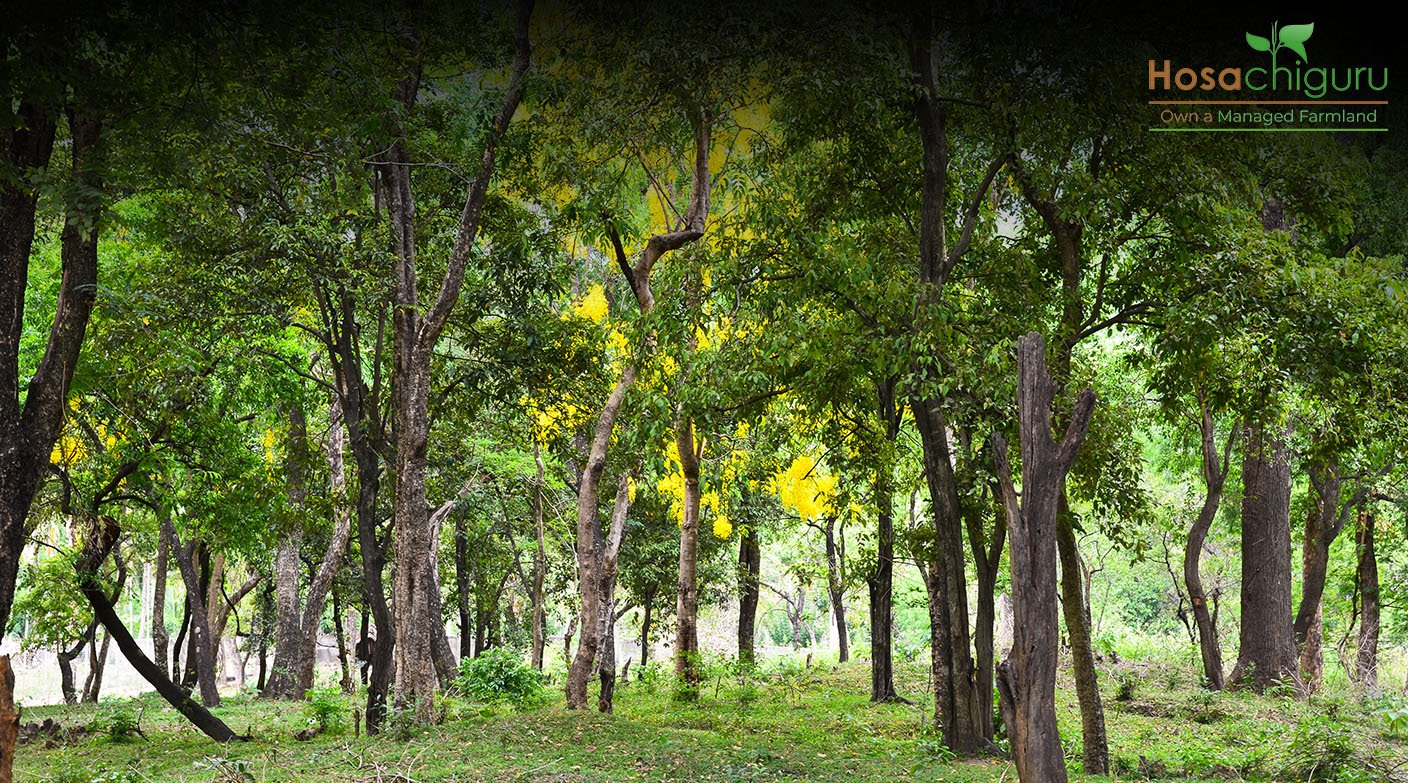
{"points": [[1258, 43], [1294, 36]]}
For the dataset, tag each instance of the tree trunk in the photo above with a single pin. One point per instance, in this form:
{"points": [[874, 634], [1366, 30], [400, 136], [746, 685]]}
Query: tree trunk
{"points": [[606, 667], [836, 588], [750, 562], [800, 637], [1325, 522], [322, 582], [67, 686], [463, 588], [288, 634], [95, 550], [1095, 755], [1367, 576], [987, 560], [1267, 654], [1027, 679], [647, 604], [202, 640], [687, 606], [540, 562], [349, 686], [180, 636], [881, 585], [9, 721], [958, 707], [415, 335], [97, 662], [160, 641], [28, 432]]}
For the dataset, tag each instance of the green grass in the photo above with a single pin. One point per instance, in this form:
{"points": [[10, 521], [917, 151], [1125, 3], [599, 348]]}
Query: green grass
{"points": [[794, 724]]}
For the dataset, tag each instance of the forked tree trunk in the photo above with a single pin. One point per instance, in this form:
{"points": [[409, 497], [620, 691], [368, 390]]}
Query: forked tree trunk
{"points": [[750, 561], [28, 432], [836, 586], [1267, 654], [202, 639], [638, 276], [1027, 679], [1214, 477], [597, 574]]}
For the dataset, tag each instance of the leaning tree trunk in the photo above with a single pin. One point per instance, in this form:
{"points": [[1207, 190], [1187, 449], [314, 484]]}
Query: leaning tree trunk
{"points": [[638, 277], [1323, 525], [1095, 754], [1026, 681], [750, 561], [1367, 576], [1267, 654], [97, 545]]}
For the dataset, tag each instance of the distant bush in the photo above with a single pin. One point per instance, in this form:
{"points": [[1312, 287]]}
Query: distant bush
{"points": [[500, 675]]}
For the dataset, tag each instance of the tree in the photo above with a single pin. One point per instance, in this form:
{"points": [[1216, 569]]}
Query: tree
{"points": [[415, 335]]}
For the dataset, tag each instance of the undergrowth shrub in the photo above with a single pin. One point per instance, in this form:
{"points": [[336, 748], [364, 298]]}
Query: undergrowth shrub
{"points": [[326, 708], [500, 675]]}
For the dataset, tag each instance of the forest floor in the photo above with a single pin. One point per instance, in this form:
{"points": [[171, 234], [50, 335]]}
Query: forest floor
{"points": [[792, 723]]}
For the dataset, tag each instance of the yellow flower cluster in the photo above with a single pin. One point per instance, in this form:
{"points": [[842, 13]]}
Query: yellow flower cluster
{"points": [[593, 305], [806, 489]]}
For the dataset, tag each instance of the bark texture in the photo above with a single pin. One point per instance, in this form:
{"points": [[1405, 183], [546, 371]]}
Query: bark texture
{"points": [[597, 575], [1215, 471]]}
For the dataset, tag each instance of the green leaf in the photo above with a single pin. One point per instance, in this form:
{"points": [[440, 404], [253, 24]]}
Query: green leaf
{"points": [[1258, 43], [1294, 36]]}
